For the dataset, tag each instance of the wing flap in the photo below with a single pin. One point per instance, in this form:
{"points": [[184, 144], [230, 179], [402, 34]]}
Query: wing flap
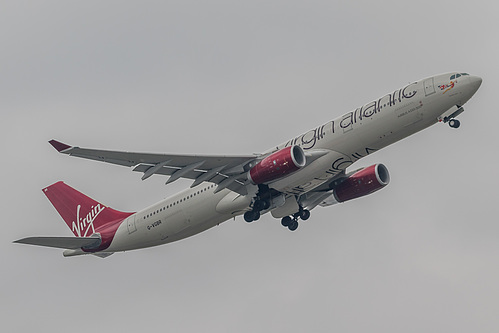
{"points": [[71, 243]]}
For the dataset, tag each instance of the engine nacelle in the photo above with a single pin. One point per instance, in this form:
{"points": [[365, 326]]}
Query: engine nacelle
{"points": [[362, 182], [277, 165]]}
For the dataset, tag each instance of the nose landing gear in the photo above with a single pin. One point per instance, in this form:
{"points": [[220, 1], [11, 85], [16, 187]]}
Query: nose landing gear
{"points": [[454, 123]]}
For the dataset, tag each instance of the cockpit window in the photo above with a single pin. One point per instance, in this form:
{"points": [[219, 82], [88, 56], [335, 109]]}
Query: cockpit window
{"points": [[455, 76]]}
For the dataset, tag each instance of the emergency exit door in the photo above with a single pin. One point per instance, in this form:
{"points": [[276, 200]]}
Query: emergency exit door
{"points": [[429, 87], [131, 224]]}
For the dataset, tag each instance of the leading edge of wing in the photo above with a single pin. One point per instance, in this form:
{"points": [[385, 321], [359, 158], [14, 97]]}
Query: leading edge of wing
{"points": [[134, 158]]}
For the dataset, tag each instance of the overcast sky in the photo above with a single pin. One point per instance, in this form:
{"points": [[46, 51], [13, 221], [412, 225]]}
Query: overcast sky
{"points": [[230, 77]]}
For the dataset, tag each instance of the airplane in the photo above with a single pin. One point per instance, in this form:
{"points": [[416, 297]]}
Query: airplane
{"points": [[288, 180]]}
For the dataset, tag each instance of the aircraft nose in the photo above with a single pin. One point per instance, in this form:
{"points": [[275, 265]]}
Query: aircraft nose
{"points": [[469, 87], [475, 82]]}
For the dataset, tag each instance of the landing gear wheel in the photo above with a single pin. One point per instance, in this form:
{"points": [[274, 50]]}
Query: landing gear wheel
{"points": [[286, 221], [305, 214], [256, 216], [293, 226], [454, 123], [249, 216]]}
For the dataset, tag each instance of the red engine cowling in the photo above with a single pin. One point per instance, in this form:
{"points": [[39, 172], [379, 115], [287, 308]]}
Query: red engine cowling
{"points": [[362, 182], [277, 165]]}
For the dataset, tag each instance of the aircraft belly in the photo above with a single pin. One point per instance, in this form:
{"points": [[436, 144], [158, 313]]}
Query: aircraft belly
{"points": [[202, 225], [199, 216]]}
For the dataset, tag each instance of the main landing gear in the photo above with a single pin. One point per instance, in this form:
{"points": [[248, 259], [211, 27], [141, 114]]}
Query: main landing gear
{"points": [[258, 206], [292, 222], [261, 203]]}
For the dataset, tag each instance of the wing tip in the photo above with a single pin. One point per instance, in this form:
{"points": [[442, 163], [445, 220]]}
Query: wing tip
{"points": [[59, 146]]}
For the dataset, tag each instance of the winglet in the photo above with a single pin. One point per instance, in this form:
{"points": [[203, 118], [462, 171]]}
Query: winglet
{"points": [[59, 146]]}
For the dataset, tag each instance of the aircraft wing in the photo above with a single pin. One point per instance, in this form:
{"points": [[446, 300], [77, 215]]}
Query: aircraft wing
{"points": [[226, 171]]}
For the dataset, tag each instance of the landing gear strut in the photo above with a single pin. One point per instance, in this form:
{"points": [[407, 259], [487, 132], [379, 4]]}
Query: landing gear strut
{"points": [[260, 205]]}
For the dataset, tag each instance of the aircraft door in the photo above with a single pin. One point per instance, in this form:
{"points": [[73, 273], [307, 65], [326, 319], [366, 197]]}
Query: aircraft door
{"points": [[131, 224], [429, 87]]}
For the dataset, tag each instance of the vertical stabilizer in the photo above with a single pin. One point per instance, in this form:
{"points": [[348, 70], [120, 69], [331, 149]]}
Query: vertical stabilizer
{"points": [[83, 215]]}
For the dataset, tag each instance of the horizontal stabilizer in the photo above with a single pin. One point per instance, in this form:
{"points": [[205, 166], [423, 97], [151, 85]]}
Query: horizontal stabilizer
{"points": [[63, 242]]}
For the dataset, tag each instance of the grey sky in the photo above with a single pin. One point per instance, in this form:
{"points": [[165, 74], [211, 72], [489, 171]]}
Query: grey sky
{"points": [[230, 77]]}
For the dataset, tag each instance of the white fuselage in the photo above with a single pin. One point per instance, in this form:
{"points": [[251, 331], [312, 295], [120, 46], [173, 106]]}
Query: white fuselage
{"points": [[341, 142]]}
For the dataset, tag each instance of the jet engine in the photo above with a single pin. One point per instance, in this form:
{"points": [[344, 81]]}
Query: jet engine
{"points": [[277, 165], [362, 182]]}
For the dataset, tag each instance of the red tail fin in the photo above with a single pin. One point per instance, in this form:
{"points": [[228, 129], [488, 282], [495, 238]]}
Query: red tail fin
{"points": [[83, 215]]}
